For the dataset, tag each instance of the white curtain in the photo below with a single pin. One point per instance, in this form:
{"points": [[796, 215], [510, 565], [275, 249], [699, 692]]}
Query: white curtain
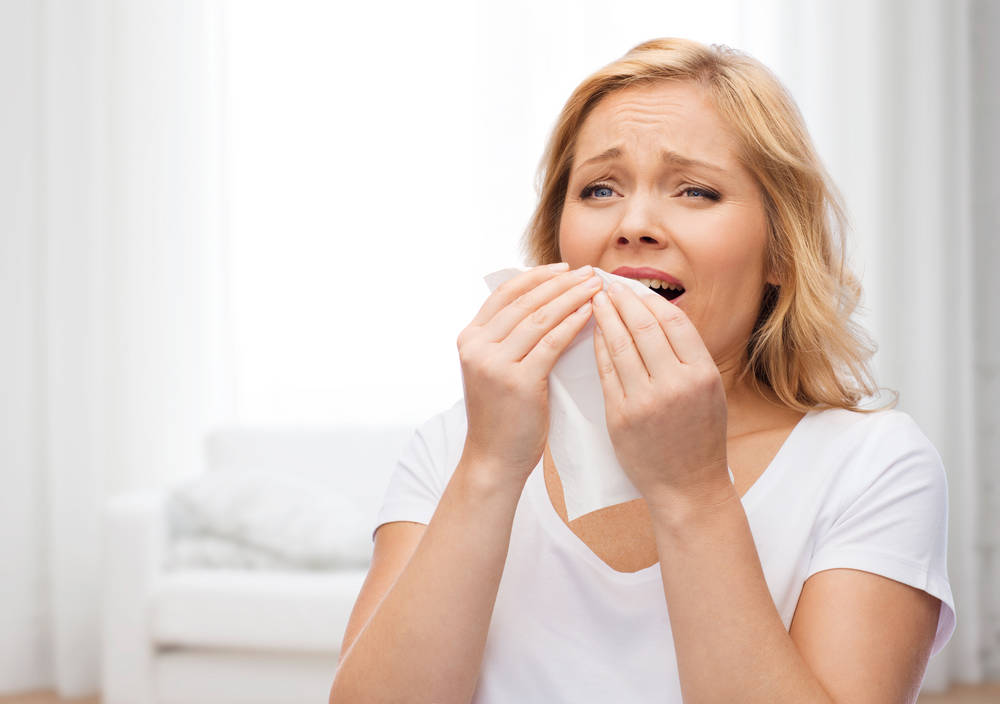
{"points": [[112, 270], [901, 97]]}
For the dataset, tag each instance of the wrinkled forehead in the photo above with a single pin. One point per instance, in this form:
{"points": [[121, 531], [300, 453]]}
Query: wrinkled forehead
{"points": [[675, 116]]}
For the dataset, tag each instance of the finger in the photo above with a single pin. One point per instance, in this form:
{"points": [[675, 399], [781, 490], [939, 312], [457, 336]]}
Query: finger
{"points": [[527, 334], [525, 305], [612, 385], [512, 288], [543, 356], [643, 325], [683, 336], [621, 346]]}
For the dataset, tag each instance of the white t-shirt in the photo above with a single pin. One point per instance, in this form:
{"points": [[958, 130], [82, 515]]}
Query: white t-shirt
{"points": [[863, 491]]}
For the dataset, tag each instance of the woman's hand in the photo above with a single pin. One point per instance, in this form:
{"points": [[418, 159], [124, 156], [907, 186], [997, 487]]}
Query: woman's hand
{"points": [[507, 352], [664, 399]]}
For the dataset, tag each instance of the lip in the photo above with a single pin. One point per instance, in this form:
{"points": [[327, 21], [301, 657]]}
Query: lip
{"points": [[646, 272]]}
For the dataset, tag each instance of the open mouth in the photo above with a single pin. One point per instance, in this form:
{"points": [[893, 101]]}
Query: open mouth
{"points": [[670, 293], [667, 290], [660, 282]]}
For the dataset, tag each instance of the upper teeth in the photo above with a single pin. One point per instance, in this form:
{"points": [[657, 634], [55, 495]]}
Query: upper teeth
{"points": [[657, 283]]}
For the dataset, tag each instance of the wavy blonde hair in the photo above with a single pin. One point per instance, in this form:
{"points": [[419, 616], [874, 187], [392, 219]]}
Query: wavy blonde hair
{"points": [[805, 346]]}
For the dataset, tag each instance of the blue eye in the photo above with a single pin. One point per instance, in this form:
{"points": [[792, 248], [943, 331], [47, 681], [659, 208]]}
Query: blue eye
{"points": [[702, 193], [598, 190]]}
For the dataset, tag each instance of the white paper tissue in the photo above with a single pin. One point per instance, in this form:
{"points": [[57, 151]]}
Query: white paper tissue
{"points": [[578, 433]]}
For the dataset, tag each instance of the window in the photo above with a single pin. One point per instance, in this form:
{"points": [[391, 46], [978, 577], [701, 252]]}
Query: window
{"points": [[380, 160]]}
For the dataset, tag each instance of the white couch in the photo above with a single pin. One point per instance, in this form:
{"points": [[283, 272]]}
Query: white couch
{"points": [[236, 636]]}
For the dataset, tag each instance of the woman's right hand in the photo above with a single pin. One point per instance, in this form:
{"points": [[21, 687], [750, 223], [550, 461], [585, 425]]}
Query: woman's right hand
{"points": [[507, 352]]}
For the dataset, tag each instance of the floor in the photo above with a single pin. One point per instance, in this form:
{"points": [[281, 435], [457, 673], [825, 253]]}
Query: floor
{"points": [[45, 698], [985, 694]]}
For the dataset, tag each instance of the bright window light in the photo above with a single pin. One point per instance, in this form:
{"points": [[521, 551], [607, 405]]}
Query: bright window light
{"points": [[380, 159]]}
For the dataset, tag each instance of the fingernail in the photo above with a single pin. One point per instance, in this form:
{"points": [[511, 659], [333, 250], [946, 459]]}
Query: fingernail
{"points": [[616, 287], [600, 298], [559, 266], [584, 271]]}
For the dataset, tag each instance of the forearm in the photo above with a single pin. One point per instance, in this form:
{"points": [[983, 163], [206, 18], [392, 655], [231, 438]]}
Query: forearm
{"points": [[730, 641], [425, 641]]}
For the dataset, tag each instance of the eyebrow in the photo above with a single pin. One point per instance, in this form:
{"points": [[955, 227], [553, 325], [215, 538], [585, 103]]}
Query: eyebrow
{"points": [[671, 157]]}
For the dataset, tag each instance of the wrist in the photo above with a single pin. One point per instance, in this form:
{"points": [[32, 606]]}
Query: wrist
{"points": [[674, 506], [486, 476]]}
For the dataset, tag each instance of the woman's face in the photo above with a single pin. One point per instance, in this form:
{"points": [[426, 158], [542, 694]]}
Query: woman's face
{"points": [[640, 196]]}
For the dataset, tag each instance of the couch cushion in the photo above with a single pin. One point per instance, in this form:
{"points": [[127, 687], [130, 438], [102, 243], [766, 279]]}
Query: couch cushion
{"points": [[254, 515], [240, 609]]}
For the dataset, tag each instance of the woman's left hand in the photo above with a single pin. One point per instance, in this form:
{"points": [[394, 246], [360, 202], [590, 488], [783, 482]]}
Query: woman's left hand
{"points": [[663, 397]]}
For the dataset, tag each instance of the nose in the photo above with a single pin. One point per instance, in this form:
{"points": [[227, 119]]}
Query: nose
{"points": [[641, 224]]}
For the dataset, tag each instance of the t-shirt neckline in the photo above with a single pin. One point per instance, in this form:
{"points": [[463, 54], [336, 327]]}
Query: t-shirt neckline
{"points": [[561, 532], [771, 472]]}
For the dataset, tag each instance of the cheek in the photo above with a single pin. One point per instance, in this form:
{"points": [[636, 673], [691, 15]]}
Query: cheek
{"points": [[740, 257], [742, 265], [580, 238], [733, 268]]}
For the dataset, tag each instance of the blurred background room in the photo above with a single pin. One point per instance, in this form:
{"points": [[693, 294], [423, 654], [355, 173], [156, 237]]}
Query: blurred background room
{"points": [[239, 238]]}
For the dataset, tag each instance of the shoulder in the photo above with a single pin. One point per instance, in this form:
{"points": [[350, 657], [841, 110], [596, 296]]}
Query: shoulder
{"points": [[425, 466], [884, 434], [882, 455], [446, 428], [437, 443], [882, 462]]}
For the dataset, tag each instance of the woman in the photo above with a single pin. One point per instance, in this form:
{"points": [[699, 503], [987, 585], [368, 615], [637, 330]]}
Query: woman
{"points": [[815, 574]]}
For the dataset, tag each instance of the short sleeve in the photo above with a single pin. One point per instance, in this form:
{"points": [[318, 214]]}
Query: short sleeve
{"points": [[423, 469], [895, 518]]}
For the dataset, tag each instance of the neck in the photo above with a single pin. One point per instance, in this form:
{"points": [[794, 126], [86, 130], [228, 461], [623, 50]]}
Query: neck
{"points": [[748, 409]]}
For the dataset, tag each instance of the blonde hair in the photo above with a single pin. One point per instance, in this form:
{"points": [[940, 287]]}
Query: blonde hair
{"points": [[804, 346]]}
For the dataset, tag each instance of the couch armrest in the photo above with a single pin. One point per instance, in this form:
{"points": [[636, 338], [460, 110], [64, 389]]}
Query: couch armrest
{"points": [[135, 543]]}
